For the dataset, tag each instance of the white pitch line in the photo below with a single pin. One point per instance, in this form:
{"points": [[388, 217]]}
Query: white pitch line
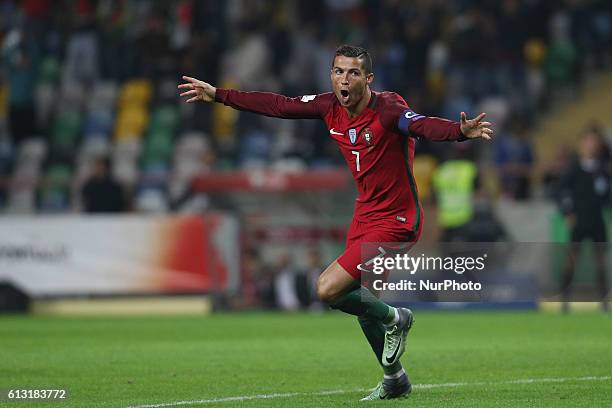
{"points": [[332, 392]]}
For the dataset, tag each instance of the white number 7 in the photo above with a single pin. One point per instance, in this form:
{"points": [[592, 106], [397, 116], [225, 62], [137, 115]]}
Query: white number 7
{"points": [[356, 153]]}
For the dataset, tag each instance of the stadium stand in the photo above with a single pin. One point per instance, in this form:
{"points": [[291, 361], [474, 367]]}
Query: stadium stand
{"points": [[100, 78], [86, 79]]}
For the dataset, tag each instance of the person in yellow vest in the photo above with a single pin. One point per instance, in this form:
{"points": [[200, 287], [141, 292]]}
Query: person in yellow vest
{"points": [[454, 184]]}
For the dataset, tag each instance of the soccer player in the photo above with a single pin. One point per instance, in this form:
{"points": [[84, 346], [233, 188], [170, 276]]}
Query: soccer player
{"points": [[376, 134]]}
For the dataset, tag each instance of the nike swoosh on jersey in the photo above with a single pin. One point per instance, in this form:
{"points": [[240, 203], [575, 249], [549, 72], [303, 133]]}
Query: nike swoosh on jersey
{"points": [[361, 268], [335, 133]]}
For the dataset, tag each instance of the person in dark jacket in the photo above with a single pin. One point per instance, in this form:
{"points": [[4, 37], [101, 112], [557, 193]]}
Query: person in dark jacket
{"points": [[584, 193], [101, 193]]}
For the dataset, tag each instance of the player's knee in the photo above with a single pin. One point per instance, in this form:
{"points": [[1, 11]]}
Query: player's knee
{"points": [[326, 291]]}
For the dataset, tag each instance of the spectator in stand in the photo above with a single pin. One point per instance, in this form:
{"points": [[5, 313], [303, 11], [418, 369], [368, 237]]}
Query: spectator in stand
{"points": [[255, 289], [515, 159], [262, 278], [19, 69], [81, 64], [307, 280], [284, 283], [529, 50], [454, 183], [562, 57], [101, 193]]}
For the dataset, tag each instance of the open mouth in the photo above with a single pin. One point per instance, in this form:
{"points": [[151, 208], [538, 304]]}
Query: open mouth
{"points": [[344, 96]]}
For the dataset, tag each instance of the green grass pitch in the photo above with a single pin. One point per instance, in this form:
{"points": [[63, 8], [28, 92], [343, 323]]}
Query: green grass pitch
{"points": [[293, 359]]}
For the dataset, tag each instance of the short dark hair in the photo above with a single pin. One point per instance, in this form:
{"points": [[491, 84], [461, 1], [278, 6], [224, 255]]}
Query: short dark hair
{"points": [[354, 51]]}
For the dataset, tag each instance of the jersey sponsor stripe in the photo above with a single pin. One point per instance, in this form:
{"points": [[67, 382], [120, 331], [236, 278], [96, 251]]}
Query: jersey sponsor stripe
{"points": [[413, 189]]}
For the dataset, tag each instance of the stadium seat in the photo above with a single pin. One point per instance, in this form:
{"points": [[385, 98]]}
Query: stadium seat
{"points": [[154, 175], [135, 92], [125, 171], [26, 174], [192, 143], [127, 149], [164, 118], [497, 107], [46, 99], [188, 158], [66, 129], [225, 119], [58, 175], [155, 170], [166, 91], [55, 189], [158, 148], [98, 122], [131, 122], [186, 169], [33, 151], [21, 201], [289, 164], [151, 201], [95, 147], [187, 112], [49, 71], [83, 170], [72, 96], [103, 96]]}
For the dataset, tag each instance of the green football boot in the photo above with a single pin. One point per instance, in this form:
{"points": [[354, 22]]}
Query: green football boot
{"points": [[391, 389], [395, 337]]}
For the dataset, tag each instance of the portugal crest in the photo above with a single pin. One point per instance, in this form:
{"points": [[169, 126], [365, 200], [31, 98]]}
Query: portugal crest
{"points": [[353, 135], [367, 136]]}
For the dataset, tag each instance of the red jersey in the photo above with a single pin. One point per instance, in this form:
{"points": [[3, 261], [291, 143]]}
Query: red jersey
{"points": [[378, 145]]}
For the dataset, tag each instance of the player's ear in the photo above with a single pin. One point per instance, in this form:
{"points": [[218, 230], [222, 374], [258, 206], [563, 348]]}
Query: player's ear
{"points": [[370, 78]]}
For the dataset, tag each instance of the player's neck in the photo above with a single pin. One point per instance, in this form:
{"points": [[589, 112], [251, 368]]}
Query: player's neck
{"points": [[354, 111]]}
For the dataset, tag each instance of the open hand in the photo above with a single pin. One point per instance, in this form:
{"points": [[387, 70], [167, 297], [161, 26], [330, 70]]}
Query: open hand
{"points": [[475, 128], [197, 90]]}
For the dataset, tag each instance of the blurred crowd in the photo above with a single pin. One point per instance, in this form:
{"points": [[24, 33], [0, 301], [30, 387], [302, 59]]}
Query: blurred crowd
{"points": [[90, 118], [86, 80]]}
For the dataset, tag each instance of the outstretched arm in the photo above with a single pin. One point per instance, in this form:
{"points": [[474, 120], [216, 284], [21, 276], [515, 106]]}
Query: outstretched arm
{"points": [[397, 116], [438, 129], [265, 103]]}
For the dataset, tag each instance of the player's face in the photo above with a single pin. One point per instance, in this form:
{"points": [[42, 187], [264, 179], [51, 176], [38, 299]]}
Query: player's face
{"points": [[349, 80]]}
